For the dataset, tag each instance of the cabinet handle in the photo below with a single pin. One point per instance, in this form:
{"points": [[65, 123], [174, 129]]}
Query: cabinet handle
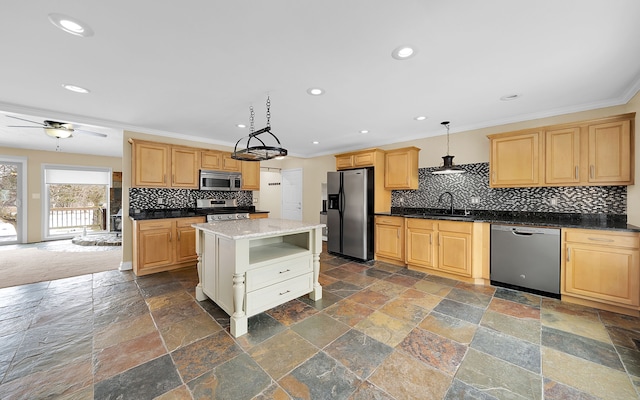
{"points": [[600, 239], [170, 234], [577, 172], [430, 239], [398, 232], [568, 254], [438, 238], [164, 178], [284, 292], [493, 176], [591, 171], [284, 272], [178, 235]]}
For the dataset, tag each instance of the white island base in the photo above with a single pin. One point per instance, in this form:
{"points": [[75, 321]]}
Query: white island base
{"points": [[249, 266]]}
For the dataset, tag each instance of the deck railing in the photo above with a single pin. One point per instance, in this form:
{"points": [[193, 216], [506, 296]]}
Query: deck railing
{"points": [[77, 217]]}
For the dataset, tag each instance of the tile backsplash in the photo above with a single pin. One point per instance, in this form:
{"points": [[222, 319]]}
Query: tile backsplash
{"points": [[147, 198], [475, 183]]}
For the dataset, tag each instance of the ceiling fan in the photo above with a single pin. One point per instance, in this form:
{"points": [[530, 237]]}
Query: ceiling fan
{"points": [[58, 130]]}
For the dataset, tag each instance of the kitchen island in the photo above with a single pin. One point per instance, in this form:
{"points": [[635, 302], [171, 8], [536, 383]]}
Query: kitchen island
{"points": [[249, 266]]}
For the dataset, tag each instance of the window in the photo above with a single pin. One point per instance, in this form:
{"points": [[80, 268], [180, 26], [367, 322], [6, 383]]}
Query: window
{"points": [[76, 200]]}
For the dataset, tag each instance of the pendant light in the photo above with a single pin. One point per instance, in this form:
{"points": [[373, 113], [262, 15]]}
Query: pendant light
{"points": [[259, 151], [448, 167]]}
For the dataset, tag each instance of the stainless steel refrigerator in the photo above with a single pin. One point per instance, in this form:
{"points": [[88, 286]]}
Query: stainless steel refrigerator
{"points": [[350, 213]]}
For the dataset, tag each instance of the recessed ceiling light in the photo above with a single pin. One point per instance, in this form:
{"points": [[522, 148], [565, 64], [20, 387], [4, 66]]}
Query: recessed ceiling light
{"points": [[241, 125], [315, 142], [315, 91], [510, 97], [74, 88], [403, 52], [420, 118], [364, 131], [71, 25]]}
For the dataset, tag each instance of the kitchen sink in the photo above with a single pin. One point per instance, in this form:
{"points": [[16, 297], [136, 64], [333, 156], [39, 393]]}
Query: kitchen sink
{"points": [[450, 217]]}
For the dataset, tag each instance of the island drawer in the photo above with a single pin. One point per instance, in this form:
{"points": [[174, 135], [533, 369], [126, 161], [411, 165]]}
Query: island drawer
{"points": [[279, 293], [278, 272]]}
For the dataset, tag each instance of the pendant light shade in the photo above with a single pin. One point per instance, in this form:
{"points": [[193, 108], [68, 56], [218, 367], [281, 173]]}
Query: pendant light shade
{"points": [[447, 166]]}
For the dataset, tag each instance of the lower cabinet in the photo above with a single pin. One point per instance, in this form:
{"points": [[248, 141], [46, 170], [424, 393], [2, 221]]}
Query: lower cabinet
{"points": [[164, 244], [389, 242], [258, 215], [455, 249], [602, 269]]}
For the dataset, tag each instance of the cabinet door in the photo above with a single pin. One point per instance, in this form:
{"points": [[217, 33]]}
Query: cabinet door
{"points": [[343, 162], [610, 153], [602, 273], [454, 252], [186, 239], [421, 247], [155, 244], [150, 164], [562, 158], [250, 175], [364, 159], [389, 238], [184, 167], [211, 160], [515, 160], [230, 164], [401, 170]]}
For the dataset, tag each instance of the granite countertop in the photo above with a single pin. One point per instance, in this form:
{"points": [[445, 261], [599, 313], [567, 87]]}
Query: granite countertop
{"points": [[188, 212], [614, 222], [255, 228]]}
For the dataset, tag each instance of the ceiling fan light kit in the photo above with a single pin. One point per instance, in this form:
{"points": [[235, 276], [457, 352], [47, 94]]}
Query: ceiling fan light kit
{"points": [[58, 130], [448, 167], [259, 150]]}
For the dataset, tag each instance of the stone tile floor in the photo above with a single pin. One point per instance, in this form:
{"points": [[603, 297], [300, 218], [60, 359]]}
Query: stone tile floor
{"points": [[380, 332]]}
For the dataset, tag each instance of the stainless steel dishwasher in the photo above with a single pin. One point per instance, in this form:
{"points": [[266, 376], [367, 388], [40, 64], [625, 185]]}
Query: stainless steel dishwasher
{"points": [[526, 257]]}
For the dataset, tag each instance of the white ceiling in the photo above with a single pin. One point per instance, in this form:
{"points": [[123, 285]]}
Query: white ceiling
{"points": [[192, 69]]}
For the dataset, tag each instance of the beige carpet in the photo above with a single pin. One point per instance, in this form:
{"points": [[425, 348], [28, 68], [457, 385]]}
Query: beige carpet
{"points": [[30, 265]]}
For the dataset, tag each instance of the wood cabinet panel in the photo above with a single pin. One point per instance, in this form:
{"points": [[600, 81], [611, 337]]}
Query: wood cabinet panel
{"points": [[150, 164], [230, 164], [185, 169], [389, 238], [420, 247], [515, 159], [250, 175], [610, 153], [344, 162], [562, 155], [401, 168], [454, 252], [211, 160]]}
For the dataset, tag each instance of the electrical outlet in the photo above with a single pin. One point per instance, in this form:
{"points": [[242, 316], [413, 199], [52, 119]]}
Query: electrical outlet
{"points": [[554, 201], [475, 200], [160, 200]]}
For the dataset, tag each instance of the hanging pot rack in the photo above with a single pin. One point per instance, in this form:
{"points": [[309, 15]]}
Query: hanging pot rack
{"points": [[259, 150]]}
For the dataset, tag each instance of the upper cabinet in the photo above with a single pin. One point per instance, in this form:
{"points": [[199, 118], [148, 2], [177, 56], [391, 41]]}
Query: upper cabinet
{"points": [[163, 165], [359, 159], [210, 159], [588, 153], [230, 164], [250, 175], [401, 168], [515, 159]]}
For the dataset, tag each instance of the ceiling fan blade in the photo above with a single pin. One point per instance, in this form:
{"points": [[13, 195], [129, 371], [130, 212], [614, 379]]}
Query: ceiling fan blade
{"points": [[24, 126], [22, 119], [90, 133]]}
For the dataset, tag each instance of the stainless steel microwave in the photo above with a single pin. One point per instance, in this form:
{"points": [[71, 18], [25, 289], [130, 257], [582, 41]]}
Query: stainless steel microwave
{"points": [[218, 180]]}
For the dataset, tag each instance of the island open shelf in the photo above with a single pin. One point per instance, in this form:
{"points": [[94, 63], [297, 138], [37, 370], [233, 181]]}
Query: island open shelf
{"points": [[249, 266]]}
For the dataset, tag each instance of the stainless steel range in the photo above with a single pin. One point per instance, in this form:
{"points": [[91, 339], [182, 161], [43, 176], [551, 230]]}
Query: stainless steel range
{"points": [[221, 209]]}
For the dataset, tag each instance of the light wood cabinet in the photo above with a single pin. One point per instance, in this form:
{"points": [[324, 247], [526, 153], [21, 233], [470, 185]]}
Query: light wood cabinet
{"points": [[389, 239], [164, 244], [230, 164], [601, 269], [185, 169], [250, 175], [452, 249], [210, 160], [401, 168], [610, 153], [160, 165], [562, 157], [150, 164], [515, 159], [588, 153], [258, 215]]}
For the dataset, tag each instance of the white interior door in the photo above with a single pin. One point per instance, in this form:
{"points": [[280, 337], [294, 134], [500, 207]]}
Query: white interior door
{"points": [[292, 194]]}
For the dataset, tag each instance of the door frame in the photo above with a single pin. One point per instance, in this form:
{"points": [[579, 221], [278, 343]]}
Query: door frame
{"points": [[285, 174], [21, 234]]}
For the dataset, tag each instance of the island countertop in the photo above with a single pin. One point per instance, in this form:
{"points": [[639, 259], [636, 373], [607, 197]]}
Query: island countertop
{"points": [[255, 228]]}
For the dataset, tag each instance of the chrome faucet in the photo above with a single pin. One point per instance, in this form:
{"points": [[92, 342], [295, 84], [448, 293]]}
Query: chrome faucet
{"points": [[451, 196]]}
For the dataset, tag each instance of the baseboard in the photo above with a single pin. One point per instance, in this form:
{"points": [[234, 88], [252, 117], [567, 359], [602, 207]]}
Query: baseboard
{"points": [[125, 266]]}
